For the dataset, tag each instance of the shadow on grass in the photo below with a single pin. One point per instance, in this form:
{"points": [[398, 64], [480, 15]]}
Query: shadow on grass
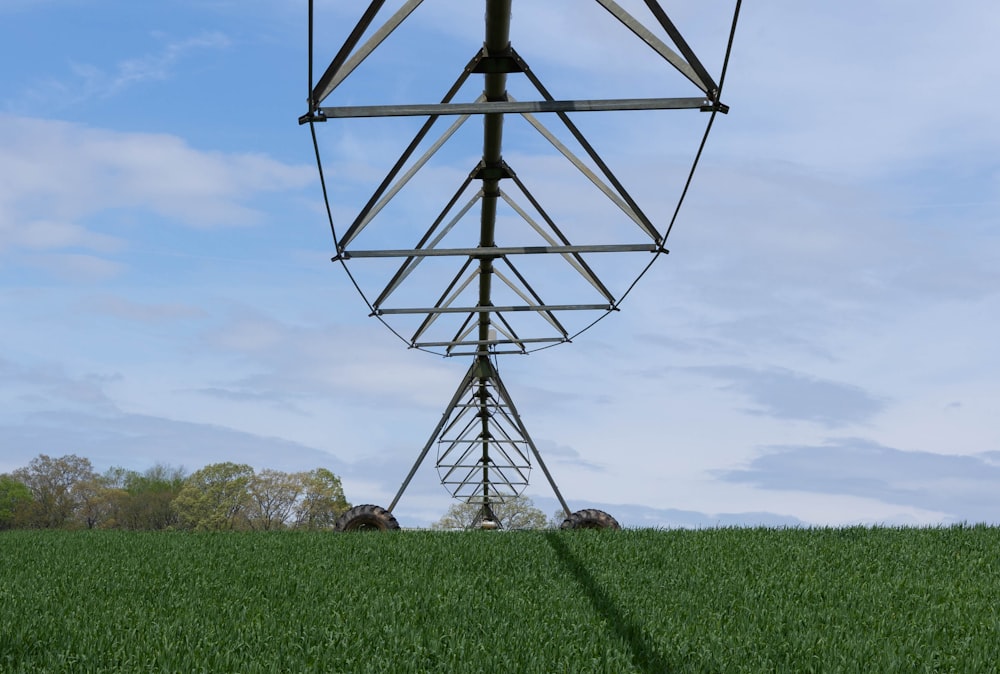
{"points": [[644, 655]]}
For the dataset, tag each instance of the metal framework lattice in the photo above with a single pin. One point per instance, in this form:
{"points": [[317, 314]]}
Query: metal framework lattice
{"points": [[468, 281]]}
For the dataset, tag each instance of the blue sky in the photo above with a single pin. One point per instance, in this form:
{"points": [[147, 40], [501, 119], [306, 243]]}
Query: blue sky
{"points": [[819, 347]]}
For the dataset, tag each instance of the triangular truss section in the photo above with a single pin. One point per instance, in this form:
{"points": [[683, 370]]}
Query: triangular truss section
{"points": [[490, 269], [484, 450], [483, 453], [466, 318], [670, 46]]}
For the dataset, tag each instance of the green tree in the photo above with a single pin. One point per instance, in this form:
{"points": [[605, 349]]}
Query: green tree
{"points": [[322, 501], [100, 505], [215, 498], [150, 498], [273, 498], [514, 513], [59, 488], [15, 502]]}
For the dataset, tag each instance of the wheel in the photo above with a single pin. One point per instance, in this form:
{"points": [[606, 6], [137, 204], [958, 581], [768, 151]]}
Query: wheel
{"points": [[366, 518], [590, 519]]}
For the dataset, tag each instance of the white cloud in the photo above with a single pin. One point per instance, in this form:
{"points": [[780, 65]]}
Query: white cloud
{"points": [[40, 384], [71, 191], [72, 170], [52, 234], [138, 442], [89, 81], [335, 361], [862, 87], [785, 394], [75, 266], [963, 487], [145, 312]]}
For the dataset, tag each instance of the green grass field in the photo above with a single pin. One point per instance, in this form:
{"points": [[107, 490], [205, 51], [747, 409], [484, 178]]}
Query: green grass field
{"points": [[717, 600]]}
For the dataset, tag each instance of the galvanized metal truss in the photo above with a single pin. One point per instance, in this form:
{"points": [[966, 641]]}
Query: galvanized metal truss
{"points": [[485, 451]]}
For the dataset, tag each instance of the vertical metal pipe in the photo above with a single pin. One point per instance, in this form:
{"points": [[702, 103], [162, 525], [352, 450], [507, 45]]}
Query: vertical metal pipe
{"points": [[497, 41], [312, 107], [495, 89]]}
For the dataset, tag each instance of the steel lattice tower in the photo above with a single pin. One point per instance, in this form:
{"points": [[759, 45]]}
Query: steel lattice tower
{"points": [[485, 452]]}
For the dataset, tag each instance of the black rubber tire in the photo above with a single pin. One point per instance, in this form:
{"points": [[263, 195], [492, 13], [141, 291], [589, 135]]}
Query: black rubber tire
{"points": [[366, 518], [590, 518]]}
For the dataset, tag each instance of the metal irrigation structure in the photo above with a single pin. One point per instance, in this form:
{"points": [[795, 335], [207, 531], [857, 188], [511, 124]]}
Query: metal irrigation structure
{"points": [[440, 280]]}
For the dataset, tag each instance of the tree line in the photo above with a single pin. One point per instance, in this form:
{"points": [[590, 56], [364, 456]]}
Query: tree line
{"points": [[517, 513], [66, 493]]}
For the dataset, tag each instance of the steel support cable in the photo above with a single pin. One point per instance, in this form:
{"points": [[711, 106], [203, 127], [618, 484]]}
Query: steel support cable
{"points": [[415, 142], [322, 177], [687, 184], [697, 156], [711, 120], [569, 124], [333, 231]]}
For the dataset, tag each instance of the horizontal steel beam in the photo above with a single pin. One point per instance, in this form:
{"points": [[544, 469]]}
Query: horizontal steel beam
{"points": [[458, 354], [481, 342], [492, 309], [499, 251], [493, 469], [515, 107]]}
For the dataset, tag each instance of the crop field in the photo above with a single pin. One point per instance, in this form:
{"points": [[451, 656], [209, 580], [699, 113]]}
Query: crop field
{"points": [[715, 600]]}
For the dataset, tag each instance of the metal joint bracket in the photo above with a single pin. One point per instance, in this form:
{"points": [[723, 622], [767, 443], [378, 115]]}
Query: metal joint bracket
{"points": [[715, 106], [314, 116], [501, 63], [492, 172]]}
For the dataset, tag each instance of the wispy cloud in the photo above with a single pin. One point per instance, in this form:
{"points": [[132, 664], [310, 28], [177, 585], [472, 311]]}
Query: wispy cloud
{"points": [[54, 234], [75, 266], [87, 81], [784, 394], [40, 385], [138, 441], [64, 186], [963, 486], [282, 362], [159, 65], [144, 312]]}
